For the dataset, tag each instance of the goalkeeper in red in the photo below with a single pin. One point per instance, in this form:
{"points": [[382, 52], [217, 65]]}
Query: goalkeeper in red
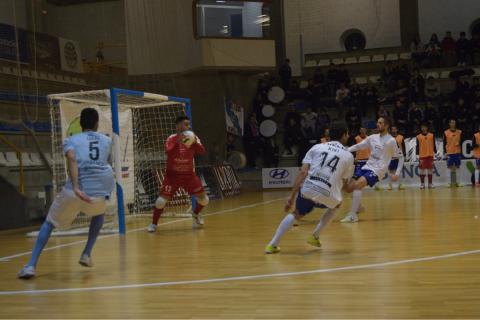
{"points": [[180, 173]]}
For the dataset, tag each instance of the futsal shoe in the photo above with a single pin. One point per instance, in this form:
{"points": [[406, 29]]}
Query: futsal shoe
{"points": [[350, 218], [401, 187], [152, 228], [311, 240], [269, 249], [197, 220], [422, 186], [431, 186], [390, 187], [27, 272], [85, 261], [377, 188], [459, 185]]}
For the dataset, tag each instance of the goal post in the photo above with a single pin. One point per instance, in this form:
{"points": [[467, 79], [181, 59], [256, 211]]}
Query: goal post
{"points": [[139, 123]]}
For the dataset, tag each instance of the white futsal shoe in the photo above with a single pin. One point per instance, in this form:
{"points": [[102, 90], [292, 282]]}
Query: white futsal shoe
{"points": [[197, 220], [152, 228], [27, 272], [350, 218], [85, 261]]}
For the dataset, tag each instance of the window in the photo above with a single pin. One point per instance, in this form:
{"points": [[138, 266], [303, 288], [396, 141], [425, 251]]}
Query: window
{"points": [[353, 39], [232, 19]]}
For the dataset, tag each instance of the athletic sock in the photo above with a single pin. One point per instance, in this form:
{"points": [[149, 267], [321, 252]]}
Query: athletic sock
{"points": [[42, 239], [198, 208], [356, 199], [284, 226], [324, 221], [422, 178], [156, 215], [477, 178], [430, 179], [95, 226]]}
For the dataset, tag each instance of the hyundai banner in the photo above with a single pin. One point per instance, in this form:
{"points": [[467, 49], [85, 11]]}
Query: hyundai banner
{"points": [[279, 177]]}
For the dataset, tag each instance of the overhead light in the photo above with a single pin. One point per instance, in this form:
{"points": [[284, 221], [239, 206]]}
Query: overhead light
{"points": [[220, 1]]}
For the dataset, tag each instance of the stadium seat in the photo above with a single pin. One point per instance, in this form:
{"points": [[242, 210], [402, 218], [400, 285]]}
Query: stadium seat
{"points": [[12, 160], [27, 162], [49, 158], [337, 61], [391, 57], [364, 59], [310, 63], [36, 159], [445, 75], [361, 80], [324, 63], [303, 84], [378, 58], [434, 75], [373, 79], [405, 56], [351, 60], [3, 160]]}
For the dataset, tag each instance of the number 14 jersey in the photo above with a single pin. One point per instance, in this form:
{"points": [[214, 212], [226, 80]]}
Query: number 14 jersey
{"points": [[92, 152], [330, 164]]}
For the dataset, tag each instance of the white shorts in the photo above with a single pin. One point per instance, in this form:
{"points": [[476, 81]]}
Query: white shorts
{"points": [[67, 206]]}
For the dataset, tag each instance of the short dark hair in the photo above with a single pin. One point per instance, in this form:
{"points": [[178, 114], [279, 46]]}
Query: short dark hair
{"points": [[337, 133], [89, 118], [386, 120], [181, 119]]}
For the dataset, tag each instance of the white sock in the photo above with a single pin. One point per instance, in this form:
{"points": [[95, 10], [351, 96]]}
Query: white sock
{"points": [[477, 172], [284, 226], [324, 221], [356, 199]]}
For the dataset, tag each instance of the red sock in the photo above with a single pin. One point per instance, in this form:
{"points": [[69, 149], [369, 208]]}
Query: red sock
{"points": [[156, 215], [422, 178], [430, 179], [198, 208]]}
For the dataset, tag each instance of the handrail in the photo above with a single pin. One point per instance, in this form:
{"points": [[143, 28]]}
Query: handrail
{"points": [[21, 184]]}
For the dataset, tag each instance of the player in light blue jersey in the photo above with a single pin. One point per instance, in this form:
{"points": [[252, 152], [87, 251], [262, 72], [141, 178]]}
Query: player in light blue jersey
{"points": [[90, 183]]}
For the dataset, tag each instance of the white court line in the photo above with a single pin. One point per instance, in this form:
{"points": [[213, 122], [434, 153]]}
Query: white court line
{"points": [[7, 258], [240, 278]]}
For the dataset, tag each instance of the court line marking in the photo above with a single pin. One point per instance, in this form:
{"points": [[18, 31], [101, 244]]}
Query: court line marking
{"points": [[240, 278], [8, 258]]}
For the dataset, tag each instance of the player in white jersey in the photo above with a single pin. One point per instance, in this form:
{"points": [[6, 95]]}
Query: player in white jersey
{"points": [[382, 147], [396, 165], [87, 190], [326, 169]]}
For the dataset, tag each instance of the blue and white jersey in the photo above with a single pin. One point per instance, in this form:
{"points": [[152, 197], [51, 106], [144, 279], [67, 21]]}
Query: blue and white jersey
{"points": [[92, 151]]}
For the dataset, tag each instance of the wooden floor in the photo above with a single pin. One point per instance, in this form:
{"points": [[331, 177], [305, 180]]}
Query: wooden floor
{"points": [[413, 255]]}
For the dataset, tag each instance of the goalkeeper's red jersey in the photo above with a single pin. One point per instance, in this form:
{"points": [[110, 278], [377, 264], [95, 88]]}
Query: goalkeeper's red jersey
{"points": [[180, 157]]}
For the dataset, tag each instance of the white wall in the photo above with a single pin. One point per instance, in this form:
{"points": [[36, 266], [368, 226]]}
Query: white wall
{"points": [[89, 23], [438, 16], [7, 13], [322, 22]]}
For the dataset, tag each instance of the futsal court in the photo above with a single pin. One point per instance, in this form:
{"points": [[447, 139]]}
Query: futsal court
{"points": [[413, 255]]}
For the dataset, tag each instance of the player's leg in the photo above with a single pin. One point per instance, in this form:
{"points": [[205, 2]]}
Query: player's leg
{"points": [[96, 224], [194, 186], [452, 169], [160, 204], [326, 218], [61, 214], [422, 173], [357, 187], [303, 206], [429, 170], [392, 167], [477, 173]]}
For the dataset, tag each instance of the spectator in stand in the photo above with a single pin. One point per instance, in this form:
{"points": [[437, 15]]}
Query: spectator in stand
{"points": [[252, 141], [270, 153], [415, 116], [292, 114], [432, 90], [475, 114], [446, 112], [431, 117], [462, 88], [231, 145], [475, 48], [370, 98], [317, 87], [309, 124], [417, 49], [463, 50], [292, 137], [285, 73], [417, 86], [388, 75], [353, 119], [400, 115], [462, 115], [331, 80], [323, 120], [449, 48], [401, 90], [475, 88], [343, 75], [382, 112], [433, 51], [342, 99]]}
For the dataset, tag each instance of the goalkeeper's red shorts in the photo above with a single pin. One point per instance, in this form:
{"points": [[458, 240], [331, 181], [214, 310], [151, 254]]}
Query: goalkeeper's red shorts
{"points": [[189, 182]]}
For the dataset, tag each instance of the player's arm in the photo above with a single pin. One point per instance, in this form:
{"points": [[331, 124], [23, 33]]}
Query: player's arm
{"points": [[401, 161], [302, 175], [417, 148], [365, 144], [198, 146], [444, 144], [347, 176], [172, 143], [73, 175], [404, 149], [434, 146]]}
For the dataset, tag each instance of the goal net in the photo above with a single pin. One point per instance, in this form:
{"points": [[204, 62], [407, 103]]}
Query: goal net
{"points": [[141, 123]]}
